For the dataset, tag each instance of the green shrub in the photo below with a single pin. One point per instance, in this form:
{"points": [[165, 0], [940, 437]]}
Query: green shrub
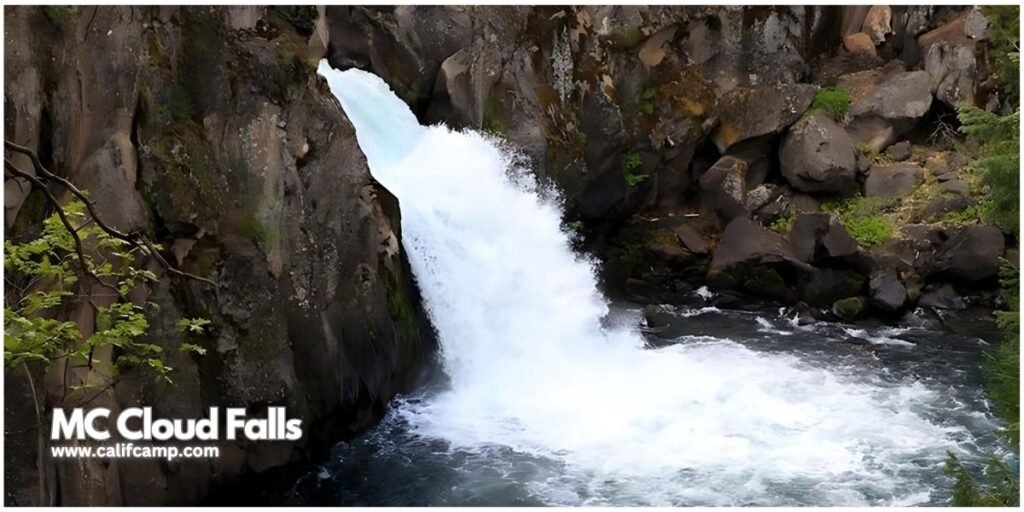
{"points": [[999, 163], [34, 332], [863, 218], [1004, 42], [834, 101], [647, 102], [782, 225], [630, 167]]}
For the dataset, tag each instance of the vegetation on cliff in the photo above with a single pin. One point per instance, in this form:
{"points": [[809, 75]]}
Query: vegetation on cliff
{"points": [[999, 165]]}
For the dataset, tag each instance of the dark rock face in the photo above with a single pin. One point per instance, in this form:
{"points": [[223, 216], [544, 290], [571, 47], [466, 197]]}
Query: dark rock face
{"points": [[818, 156], [817, 237], [724, 187], [895, 180], [942, 297], [752, 259], [746, 113], [970, 254], [887, 102], [949, 57], [887, 292], [195, 126], [824, 286]]}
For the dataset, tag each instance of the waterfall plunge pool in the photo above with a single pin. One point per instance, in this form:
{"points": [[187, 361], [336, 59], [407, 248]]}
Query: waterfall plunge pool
{"points": [[549, 403]]}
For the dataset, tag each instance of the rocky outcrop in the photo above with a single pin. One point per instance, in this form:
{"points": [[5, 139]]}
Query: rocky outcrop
{"points": [[820, 238], [818, 156], [887, 292], [208, 129], [970, 254], [949, 57], [755, 260], [746, 113], [887, 102], [724, 188]]}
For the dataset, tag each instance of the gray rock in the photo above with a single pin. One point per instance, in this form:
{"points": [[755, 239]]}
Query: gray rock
{"points": [[942, 297], [753, 259], [886, 291], [949, 58], [819, 237], [887, 102], [691, 239], [970, 254], [898, 152], [745, 113], [895, 180], [723, 188], [955, 186], [818, 156], [824, 286], [760, 196]]}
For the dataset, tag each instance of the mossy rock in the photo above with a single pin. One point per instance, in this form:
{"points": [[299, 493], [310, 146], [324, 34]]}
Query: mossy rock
{"points": [[849, 308]]}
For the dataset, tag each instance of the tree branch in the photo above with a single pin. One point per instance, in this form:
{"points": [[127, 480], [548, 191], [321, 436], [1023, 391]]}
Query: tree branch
{"points": [[135, 238]]}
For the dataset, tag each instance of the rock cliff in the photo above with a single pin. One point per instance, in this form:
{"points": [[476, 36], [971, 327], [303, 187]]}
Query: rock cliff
{"points": [[209, 130]]}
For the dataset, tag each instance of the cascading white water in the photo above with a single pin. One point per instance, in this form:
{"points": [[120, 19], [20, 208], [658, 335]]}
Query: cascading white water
{"points": [[519, 319]]}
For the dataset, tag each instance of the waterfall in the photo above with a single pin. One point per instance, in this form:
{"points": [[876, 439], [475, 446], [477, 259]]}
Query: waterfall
{"points": [[532, 370]]}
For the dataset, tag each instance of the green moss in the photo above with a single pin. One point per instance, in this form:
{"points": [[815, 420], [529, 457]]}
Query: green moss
{"points": [[647, 102], [863, 218], [401, 308], [302, 17], [182, 107], [834, 101], [185, 186], [492, 116], [782, 225], [627, 37], [62, 16], [630, 167]]}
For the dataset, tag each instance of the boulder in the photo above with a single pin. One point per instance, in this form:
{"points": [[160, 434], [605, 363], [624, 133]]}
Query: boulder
{"points": [[877, 23], [949, 57], [945, 204], [817, 155], [724, 188], [691, 239], [849, 308], [859, 43], [758, 154], [761, 196], [898, 152], [886, 291], [970, 254], [886, 98], [824, 286], [755, 260], [746, 113], [819, 237], [894, 180], [955, 186], [942, 297]]}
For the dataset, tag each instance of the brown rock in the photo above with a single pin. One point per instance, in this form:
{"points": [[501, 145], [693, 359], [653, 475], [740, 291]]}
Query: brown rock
{"points": [[859, 43]]}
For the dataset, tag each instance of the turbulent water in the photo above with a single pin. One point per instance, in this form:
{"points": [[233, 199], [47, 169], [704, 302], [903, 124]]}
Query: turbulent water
{"points": [[552, 400]]}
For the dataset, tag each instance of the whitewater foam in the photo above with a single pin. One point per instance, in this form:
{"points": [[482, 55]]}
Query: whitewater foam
{"points": [[519, 319]]}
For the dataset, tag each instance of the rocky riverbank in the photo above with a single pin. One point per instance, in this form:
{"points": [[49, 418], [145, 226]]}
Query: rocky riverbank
{"points": [[807, 155]]}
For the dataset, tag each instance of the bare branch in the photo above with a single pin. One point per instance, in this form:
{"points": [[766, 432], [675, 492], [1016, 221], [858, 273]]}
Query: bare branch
{"points": [[135, 238]]}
